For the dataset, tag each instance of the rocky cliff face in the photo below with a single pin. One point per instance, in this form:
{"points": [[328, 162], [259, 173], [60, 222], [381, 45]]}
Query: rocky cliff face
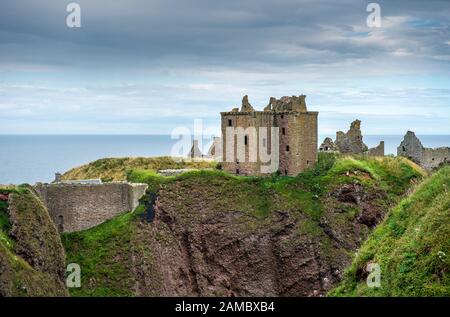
{"points": [[216, 234], [32, 258]]}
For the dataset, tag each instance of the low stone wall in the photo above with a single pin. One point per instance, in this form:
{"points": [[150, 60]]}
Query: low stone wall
{"points": [[75, 207]]}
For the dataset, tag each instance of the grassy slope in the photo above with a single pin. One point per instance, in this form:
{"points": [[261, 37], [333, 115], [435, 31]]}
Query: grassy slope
{"points": [[31, 255], [412, 246], [104, 252], [115, 169]]}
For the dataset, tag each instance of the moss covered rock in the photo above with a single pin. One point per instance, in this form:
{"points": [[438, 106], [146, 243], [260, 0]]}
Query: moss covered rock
{"points": [[32, 258]]}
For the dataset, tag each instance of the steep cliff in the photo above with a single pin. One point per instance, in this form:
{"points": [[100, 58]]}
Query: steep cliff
{"points": [[411, 247], [32, 258], [216, 234]]}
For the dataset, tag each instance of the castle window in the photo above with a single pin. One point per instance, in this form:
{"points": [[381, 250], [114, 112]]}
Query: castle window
{"points": [[60, 223], [285, 172], [282, 116], [237, 171], [230, 123], [307, 162], [245, 140], [287, 148], [403, 149], [283, 131]]}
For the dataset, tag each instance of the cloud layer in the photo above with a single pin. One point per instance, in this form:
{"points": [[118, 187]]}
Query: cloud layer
{"points": [[148, 66]]}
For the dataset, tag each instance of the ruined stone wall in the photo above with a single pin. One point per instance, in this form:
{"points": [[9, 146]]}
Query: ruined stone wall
{"points": [[433, 158], [75, 207], [428, 158], [378, 150], [352, 141]]}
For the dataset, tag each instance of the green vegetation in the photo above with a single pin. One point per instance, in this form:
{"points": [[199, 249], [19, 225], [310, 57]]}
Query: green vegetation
{"points": [[109, 254], [5, 223], [412, 246], [102, 252], [115, 169], [31, 253]]}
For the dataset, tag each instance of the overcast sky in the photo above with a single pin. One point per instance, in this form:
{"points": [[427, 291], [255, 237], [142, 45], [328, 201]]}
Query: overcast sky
{"points": [[145, 67]]}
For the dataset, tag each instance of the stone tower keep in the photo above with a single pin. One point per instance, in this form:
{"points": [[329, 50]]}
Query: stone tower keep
{"points": [[297, 135]]}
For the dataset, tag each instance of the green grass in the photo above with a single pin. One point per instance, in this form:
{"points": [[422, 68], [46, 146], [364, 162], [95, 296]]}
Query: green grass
{"points": [[31, 254], [104, 252], [411, 246], [116, 169], [5, 226]]}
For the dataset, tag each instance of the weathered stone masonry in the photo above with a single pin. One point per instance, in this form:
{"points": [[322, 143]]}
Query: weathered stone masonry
{"points": [[297, 135], [428, 158], [78, 206]]}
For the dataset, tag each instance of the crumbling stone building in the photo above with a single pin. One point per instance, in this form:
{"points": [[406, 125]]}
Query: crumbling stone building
{"points": [[296, 140], [351, 142], [428, 158]]}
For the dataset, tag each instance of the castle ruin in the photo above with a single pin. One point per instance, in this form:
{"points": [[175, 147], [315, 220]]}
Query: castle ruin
{"points": [[295, 137], [351, 142], [428, 158]]}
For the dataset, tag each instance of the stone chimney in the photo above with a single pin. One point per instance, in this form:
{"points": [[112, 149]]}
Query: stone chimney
{"points": [[57, 177]]}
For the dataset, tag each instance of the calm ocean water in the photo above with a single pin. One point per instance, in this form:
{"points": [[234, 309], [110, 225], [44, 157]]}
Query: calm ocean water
{"points": [[35, 158]]}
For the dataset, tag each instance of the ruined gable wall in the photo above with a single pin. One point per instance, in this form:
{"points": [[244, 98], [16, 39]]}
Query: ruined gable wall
{"points": [[352, 141]]}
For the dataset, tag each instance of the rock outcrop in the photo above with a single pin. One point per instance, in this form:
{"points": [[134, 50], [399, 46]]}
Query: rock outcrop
{"points": [[32, 258]]}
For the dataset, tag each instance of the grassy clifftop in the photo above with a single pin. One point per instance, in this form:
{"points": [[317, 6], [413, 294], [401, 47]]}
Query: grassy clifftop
{"points": [[412, 246], [115, 169], [32, 258], [219, 234]]}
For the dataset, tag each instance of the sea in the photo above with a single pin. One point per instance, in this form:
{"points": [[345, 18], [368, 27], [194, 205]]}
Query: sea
{"points": [[36, 158]]}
